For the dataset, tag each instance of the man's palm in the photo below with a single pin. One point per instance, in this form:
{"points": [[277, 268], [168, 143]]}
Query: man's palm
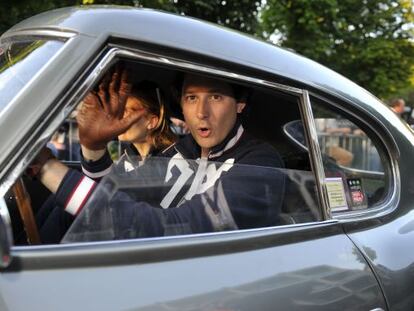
{"points": [[101, 116]]}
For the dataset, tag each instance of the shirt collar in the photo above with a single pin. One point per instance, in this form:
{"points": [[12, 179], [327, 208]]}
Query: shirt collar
{"points": [[189, 148]]}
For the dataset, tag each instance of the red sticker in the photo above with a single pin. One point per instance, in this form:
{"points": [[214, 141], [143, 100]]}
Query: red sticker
{"points": [[357, 197]]}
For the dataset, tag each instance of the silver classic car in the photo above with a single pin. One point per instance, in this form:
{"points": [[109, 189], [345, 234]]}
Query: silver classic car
{"points": [[342, 236]]}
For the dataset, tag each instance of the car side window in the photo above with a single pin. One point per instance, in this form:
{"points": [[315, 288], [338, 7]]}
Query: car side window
{"points": [[353, 161], [174, 196], [170, 194], [64, 143]]}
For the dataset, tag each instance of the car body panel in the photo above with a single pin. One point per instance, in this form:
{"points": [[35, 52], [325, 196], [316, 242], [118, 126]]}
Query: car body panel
{"points": [[380, 244], [199, 273], [366, 249]]}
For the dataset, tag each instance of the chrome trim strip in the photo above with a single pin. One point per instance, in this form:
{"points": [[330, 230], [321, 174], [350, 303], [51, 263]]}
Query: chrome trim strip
{"points": [[64, 34], [361, 172], [107, 61], [4, 212], [199, 239], [6, 236], [315, 152], [202, 69]]}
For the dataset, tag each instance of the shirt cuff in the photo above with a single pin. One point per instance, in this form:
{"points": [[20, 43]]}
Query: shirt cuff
{"points": [[97, 169], [74, 191]]}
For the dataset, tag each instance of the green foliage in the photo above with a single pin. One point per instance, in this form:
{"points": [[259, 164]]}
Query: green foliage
{"points": [[364, 40], [240, 15], [13, 12]]}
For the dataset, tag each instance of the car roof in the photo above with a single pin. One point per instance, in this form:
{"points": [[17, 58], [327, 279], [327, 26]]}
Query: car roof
{"points": [[191, 35]]}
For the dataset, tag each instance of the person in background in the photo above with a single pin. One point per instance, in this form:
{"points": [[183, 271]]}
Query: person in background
{"points": [[398, 105]]}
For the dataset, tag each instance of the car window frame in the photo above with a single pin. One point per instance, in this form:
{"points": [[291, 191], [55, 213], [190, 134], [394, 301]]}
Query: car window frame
{"points": [[110, 54], [383, 138], [15, 165]]}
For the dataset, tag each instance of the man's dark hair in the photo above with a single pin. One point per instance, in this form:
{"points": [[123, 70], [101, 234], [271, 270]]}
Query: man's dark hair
{"points": [[240, 93]]}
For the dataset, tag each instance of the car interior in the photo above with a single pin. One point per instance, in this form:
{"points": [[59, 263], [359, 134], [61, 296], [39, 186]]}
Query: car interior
{"points": [[268, 113]]}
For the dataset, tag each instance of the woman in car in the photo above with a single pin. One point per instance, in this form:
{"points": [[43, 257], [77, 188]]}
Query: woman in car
{"points": [[148, 134], [145, 132]]}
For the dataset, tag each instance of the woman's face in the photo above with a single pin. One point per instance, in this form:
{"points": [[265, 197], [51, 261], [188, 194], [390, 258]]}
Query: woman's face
{"points": [[139, 131]]}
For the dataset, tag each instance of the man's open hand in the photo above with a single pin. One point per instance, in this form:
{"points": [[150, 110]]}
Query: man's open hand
{"points": [[101, 115]]}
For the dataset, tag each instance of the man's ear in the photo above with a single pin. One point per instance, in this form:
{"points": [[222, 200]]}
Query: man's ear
{"points": [[240, 107], [152, 122]]}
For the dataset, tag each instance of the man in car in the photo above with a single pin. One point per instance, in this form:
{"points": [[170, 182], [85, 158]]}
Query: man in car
{"points": [[212, 197]]}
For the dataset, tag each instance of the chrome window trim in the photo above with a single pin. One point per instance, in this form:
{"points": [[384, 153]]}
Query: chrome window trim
{"points": [[315, 153], [6, 238], [391, 147], [81, 253], [143, 55], [4, 212], [45, 33], [228, 234]]}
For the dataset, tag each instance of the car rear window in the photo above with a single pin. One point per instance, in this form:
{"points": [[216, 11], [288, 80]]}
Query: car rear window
{"points": [[354, 162]]}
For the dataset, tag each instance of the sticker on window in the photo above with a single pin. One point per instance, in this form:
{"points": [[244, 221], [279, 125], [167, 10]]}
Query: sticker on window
{"points": [[336, 194], [357, 194]]}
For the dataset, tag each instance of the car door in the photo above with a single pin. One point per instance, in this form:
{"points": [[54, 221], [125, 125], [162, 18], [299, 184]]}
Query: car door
{"points": [[306, 263]]}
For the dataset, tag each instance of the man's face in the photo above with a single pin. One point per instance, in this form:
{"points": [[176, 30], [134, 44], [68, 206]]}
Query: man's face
{"points": [[400, 107], [209, 109]]}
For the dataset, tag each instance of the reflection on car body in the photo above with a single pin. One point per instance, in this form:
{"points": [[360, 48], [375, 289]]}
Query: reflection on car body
{"points": [[340, 239]]}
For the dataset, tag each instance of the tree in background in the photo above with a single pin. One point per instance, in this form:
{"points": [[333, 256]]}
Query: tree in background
{"points": [[368, 41], [240, 15], [13, 12]]}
